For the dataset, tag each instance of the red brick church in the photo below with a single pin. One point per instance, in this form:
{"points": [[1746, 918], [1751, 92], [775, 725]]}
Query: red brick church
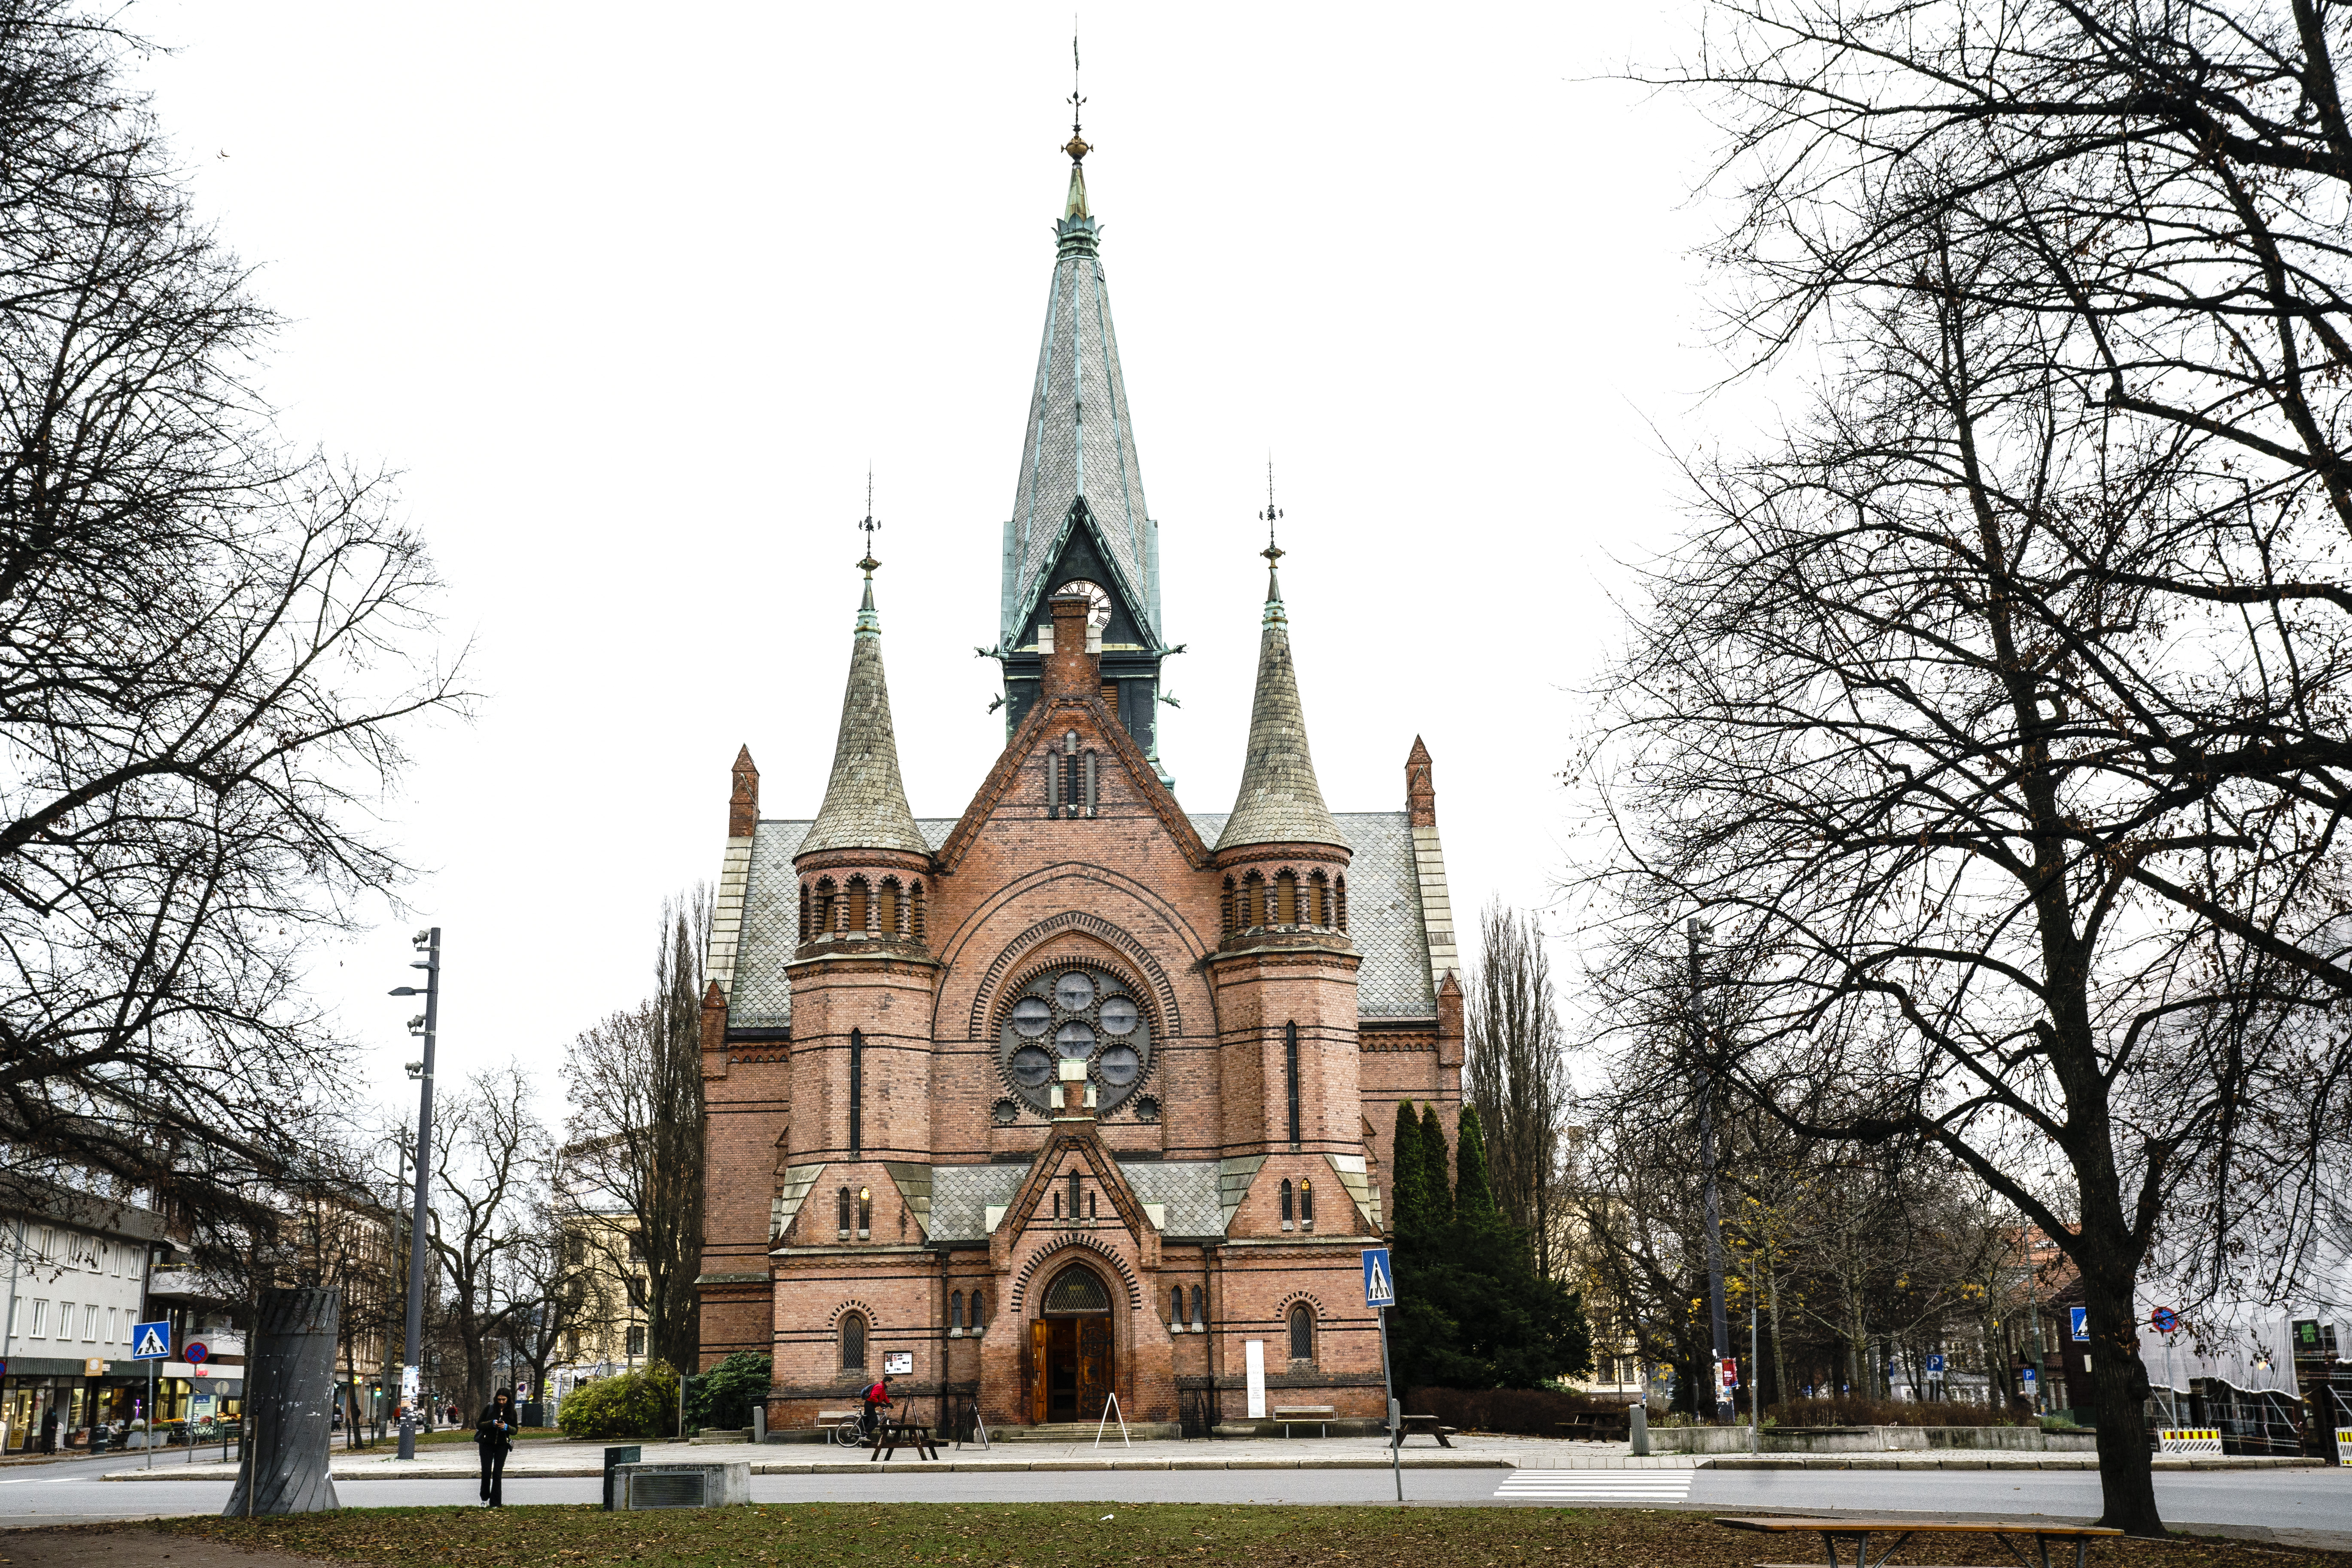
{"points": [[1082, 1091]]}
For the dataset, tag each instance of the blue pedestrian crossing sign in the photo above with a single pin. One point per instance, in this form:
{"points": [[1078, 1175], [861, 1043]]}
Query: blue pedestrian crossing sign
{"points": [[151, 1342], [1379, 1280], [2081, 1320]]}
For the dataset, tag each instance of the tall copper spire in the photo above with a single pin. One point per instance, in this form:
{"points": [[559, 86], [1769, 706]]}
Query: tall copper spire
{"points": [[1279, 801], [864, 801]]}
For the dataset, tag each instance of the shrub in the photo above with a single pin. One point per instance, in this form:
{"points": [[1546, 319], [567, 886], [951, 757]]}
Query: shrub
{"points": [[724, 1396], [642, 1403], [1533, 1412]]}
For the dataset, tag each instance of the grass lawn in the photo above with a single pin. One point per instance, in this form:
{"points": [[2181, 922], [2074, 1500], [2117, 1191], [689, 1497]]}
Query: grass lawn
{"points": [[1074, 1535]]}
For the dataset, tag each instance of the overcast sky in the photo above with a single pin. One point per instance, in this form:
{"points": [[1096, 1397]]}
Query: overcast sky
{"points": [[631, 298]]}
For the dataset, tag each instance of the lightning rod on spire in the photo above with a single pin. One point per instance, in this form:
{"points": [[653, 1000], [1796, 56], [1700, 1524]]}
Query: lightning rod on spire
{"points": [[1270, 516], [870, 523]]}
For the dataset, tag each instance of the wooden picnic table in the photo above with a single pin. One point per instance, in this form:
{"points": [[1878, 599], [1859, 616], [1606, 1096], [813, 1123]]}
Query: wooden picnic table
{"points": [[1426, 1425], [1599, 1426], [915, 1435], [1857, 1530]]}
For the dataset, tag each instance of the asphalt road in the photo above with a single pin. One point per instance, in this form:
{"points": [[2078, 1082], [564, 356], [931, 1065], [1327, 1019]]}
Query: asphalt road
{"points": [[2298, 1500]]}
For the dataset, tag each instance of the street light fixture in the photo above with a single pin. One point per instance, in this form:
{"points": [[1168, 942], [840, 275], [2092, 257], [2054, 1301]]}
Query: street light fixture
{"points": [[426, 1024]]}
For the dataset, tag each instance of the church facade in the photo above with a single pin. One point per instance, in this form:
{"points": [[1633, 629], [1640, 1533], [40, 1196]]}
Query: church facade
{"points": [[1079, 1093]]}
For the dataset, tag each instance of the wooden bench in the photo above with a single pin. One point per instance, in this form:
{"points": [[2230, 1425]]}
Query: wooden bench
{"points": [[1321, 1415], [1425, 1425], [1854, 1533], [836, 1417]]}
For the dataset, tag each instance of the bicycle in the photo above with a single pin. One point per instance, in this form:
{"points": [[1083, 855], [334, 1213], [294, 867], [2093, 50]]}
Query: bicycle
{"points": [[850, 1434]]}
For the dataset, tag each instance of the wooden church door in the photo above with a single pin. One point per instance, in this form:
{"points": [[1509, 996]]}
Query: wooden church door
{"points": [[1094, 1367], [1041, 1362]]}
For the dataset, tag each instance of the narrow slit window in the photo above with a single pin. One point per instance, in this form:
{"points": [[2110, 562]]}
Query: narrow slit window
{"points": [[955, 1310], [1286, 1202], [1306, 1203], [1290, 1068], [841, 1211], [1074, 1195], [1090, 784]]}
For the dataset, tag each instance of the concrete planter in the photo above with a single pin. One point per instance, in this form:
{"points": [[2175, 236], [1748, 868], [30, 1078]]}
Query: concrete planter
{"points": [[641, 1487], [1861, 1439]]}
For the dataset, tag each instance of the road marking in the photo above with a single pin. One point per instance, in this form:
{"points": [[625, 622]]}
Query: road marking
{"points": [[1596, 1486]]}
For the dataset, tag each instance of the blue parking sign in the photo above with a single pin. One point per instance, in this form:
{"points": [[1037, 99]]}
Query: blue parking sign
{"points": [[2081, 1320], [1935, 1367], [1379, 1280]]}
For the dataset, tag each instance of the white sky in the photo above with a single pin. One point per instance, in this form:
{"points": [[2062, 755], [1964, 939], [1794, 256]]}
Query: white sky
{"points": [[631, 303]]}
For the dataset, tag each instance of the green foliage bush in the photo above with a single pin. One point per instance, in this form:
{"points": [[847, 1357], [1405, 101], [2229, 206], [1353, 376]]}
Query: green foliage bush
{"points": [[641, 1404], [724, 1396]]}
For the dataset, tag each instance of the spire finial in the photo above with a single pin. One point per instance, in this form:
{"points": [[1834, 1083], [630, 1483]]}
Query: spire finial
{"points": [[1270, 516], [869, 524], [1077, 148]]}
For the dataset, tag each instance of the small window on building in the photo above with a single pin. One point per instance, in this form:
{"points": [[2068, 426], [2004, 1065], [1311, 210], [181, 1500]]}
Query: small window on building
{"points": [[40, 1319], [1306, 1203], [1285, 899], [975, 1310], [1341, 895], [1225, 907], [637, 1341], [860, 905], [915, 925], [955, 1310], [1197, 1320], [1074, 1195], [1302, 1331], [1286, 1203], [637, 1291], [1090, 1205], [841, 1211], [804, 911], [1176, 1305], [888, 922], [1089, 783], [636, 1248], [89, 1324], [853, 1341], [865, 1212]]}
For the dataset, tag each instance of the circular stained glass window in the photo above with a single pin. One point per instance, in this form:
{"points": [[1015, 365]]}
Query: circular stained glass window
{"points": [[1076, 1012]]}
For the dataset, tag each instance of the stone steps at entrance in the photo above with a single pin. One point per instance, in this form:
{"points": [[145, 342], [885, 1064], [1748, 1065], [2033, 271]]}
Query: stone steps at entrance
{"points": [[1082, 1432]]}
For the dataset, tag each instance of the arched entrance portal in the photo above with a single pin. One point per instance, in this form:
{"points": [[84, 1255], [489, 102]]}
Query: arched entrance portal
{"points": [[1070, 1348]]}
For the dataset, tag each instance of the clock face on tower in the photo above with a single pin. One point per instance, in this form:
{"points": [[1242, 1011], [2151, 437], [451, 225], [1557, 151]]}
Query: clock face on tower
{"points": [[1096, 595]]}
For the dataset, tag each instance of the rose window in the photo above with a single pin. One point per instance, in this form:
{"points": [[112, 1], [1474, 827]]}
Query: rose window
{"points": [[1075, 1013]]}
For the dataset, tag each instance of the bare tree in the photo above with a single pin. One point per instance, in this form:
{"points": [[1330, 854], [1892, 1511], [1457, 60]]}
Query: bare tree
{"points": [[635, 1130], [489, 1173], [208, 645], [1516, 1071]]}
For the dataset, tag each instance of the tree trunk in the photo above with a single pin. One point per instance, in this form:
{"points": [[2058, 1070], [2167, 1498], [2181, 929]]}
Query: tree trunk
{"points": [[2119, 1387]]}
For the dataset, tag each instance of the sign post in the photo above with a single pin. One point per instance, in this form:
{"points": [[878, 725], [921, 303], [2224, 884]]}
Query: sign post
{"points": [[1380, 1295], [151, 1343]]}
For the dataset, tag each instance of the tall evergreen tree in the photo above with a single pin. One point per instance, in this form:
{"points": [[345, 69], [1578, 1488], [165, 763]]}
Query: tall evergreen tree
{"points": [[1473, 1192], [1432, 1156], [1408, 1193]]}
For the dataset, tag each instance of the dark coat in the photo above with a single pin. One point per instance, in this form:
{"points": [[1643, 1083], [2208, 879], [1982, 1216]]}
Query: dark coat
{"points": [[497, 1429]]}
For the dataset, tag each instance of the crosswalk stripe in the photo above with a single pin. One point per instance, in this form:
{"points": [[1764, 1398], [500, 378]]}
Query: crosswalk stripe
{"points": [[1598, 1485]]}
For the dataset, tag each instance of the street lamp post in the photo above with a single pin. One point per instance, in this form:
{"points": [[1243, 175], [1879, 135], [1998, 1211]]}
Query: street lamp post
{"points": [[429, 943], [1721, 1330]]}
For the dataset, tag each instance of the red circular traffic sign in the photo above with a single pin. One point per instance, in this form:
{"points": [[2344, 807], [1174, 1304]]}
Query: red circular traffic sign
{"points": [[2164, 1320], [196, 1352]]}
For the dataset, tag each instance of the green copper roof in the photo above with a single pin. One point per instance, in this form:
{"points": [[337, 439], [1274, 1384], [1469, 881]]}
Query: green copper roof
{"points": [[1279, 802], [864, 802]]}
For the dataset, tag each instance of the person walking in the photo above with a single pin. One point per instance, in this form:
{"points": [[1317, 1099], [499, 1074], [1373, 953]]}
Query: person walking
{"points": [[494, 1435]]}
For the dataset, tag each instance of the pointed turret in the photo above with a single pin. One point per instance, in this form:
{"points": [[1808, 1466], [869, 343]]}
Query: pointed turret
{"points": [[1279, 802], [864, 803]]}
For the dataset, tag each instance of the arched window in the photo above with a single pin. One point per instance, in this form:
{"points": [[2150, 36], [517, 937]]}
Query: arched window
{"points": [[1302, 1331], [1253, 900], [955, 1310], [853, 1341], [1076, 1288], [841, 1212], [1074, 1190], [1319, 893], [1339, 885], [1176, 1305], [1057, 1205], [976, 1322], [804, 911], [1197, 1321], [1285, 899], [886, 921], [825, 903], [865, 1212], [1090, 1205], [860, 906], [917, 931], [1286, 1201], [1225, 908], [1090, 783], [1306, 1203]]}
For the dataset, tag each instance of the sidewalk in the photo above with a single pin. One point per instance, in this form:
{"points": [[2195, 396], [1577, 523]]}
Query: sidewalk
{"points": [[1481, 1451]]}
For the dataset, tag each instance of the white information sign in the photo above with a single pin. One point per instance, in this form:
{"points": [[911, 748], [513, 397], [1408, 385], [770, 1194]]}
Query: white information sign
{"points": [[1253, 1363], [898, 1364]]}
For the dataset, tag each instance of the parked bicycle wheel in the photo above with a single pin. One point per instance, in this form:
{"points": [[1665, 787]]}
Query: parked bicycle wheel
{"points": [[847, 1434]]}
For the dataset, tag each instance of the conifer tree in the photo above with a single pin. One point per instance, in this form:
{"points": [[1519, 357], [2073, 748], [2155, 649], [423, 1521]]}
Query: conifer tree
{"points": [[1473, 1192], [1408, 1191], [1433, 1165]]}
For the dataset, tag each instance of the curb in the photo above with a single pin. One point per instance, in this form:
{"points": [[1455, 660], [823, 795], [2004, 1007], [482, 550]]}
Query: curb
{"points": [[866, 1467]]}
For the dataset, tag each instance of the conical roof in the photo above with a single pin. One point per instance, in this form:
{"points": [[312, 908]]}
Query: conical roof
{"points": [[864, 802], [1279, 802], [1079, 443]]}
